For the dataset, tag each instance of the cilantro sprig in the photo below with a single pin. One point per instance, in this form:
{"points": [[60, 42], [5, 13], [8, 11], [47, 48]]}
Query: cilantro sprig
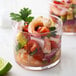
{"points": [[24, 14]]}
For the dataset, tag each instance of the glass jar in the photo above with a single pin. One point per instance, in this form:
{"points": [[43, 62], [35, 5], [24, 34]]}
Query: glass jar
{"points": [[66, 10], [38, 47]]}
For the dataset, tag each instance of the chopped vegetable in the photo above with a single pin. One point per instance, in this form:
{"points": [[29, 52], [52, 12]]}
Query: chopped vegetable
{"points": [[43, 30], [25, 28], [32, 53], [19, 46], [52, 28], [58, 2], [22, 39]]}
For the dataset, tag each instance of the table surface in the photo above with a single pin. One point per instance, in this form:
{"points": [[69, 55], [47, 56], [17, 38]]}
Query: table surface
{"points": [[67, 66]]}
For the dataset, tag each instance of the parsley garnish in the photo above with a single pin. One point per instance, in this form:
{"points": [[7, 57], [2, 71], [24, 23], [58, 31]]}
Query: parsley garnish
{"points": [[24, 14]]}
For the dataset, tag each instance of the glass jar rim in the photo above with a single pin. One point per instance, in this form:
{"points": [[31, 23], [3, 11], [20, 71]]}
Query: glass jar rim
{"points": [[60, 21]]}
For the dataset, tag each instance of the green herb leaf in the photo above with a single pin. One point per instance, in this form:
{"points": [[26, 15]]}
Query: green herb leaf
{"points": [[29, 19], [15, 17], [32, 53], [52, 28], [24, 14]]}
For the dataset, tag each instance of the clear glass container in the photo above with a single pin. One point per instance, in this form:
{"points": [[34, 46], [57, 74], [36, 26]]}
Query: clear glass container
{"points": [[38, 46], [66, 10]]}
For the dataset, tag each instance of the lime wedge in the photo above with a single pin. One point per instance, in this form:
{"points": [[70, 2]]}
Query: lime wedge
{"points": [[5, 66]]}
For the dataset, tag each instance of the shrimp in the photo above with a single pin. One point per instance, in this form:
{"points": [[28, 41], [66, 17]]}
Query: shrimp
{"points": [[58, 9], [39, 21], [22, 57]]}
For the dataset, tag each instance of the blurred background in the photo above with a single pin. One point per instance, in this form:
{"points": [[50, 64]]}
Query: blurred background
{"points": [[7, 6]]}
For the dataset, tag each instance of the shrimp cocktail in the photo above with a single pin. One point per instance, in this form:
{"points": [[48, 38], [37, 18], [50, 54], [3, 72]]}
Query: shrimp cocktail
{"points": [[66, 10], [38, 40]]}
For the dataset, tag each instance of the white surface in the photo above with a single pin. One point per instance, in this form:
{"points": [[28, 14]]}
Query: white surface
{"points": [[67, 66], [38, 7]]}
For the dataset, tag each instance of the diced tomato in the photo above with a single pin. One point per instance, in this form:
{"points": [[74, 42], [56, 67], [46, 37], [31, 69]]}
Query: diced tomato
{"points": [[54, 45], [58, 2], [39, 55], [43, 30], [32, 46], [25, 27], [26, 23]]}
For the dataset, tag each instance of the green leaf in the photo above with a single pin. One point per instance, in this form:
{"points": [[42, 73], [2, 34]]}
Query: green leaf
{"points": [[29, 19], [32, 53], [52, 28], [15, 17], [19, 46], [24, 14]]}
